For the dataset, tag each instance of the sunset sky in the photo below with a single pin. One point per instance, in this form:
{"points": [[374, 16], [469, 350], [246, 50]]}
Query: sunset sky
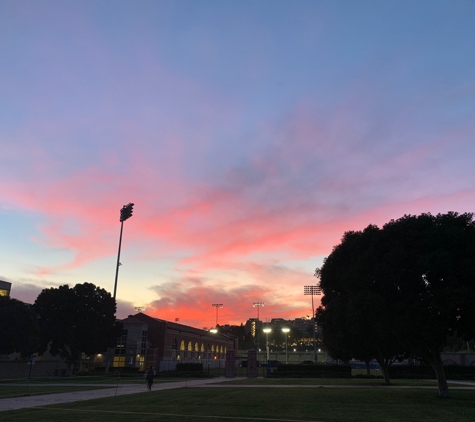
{"points": [[249, 134]]}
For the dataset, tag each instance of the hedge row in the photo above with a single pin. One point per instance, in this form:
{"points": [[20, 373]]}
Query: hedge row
{"points": [[311, 371], [452, 372]]}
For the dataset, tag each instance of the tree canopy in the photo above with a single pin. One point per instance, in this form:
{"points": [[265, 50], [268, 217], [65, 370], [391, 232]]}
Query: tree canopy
{"points": [[77, 320], [401, 290], [18, 328]]}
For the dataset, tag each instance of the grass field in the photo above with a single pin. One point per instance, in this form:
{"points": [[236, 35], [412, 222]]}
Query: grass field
{"points": [[373, 382], [221, 404]]}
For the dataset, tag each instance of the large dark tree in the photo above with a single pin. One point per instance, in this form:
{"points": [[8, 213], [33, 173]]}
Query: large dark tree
{"points": [[359, 317], [18, 327], [77, 320], [405, 290]]}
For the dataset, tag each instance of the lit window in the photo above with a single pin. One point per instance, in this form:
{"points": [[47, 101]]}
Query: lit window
{"points": [[118, 362]]}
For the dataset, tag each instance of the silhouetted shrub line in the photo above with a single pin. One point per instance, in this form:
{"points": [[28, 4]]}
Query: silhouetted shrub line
{"points": [[311, 371], [452, 372]]}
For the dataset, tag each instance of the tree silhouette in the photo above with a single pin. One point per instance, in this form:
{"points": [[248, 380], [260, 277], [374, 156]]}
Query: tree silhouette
{"points": [[76, 320], [401, 290], [18, 328]]}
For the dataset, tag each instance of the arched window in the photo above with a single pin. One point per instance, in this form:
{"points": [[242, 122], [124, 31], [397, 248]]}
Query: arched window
{"points": [[202, 347], [212, 348], [197, 348], [182, 345], [221, 349], [190, 346], [225, 349]]}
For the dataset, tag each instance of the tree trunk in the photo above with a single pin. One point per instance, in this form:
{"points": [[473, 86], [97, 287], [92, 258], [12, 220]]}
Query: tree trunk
{"points": [[70, 369], [436, 362], [368, 368], [384, 370]]}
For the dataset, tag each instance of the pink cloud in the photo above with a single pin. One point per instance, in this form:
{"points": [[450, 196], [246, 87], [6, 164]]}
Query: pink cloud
{"points": [[191, 298], [291, 200]]}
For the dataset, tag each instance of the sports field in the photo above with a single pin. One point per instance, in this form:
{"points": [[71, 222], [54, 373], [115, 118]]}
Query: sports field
{"points": [[261, 402]]}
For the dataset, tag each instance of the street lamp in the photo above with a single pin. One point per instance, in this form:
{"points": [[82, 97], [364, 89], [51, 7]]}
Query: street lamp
{"points": [[286, 330], [257, 305], [267, 330], [125, 213], [217, 306], [313, 291]]}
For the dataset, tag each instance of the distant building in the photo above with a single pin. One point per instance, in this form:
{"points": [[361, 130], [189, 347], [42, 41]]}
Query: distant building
{"points": [[148, 341], [5, 288], [305, 326]]}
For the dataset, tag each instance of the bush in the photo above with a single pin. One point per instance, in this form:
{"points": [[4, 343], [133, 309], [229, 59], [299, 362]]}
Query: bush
{"points": [[311, 371], [452, 372]]}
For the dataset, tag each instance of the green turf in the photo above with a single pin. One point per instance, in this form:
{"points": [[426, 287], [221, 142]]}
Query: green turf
{"points": [[270, 404]]}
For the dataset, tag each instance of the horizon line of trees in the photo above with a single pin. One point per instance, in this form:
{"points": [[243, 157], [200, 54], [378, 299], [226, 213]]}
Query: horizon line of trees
{"points": [[65, 321]]}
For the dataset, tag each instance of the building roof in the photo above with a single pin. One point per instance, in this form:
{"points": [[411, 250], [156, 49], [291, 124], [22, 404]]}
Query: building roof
{"points": [[174, 326]]}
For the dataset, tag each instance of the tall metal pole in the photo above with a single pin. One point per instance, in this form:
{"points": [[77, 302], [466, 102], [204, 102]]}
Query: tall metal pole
{"points": [[118, 259], [315, 357], [267, 330], [257, 305], [286, 350], [217, 306], [286, 330], [313, 290], [125, 213]]}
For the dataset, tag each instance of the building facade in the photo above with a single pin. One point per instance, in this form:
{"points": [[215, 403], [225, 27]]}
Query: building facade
{"points": [[148, 341], [5, 288]]}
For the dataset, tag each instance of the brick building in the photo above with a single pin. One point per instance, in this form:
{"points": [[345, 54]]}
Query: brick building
{"points": [[148, 341]]}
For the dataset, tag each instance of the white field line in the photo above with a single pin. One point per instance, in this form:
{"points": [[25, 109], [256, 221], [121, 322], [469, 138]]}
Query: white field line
{"points": [[236, 418]]}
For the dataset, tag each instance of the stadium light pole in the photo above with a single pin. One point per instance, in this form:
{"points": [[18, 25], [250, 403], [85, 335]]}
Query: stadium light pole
{"points": [[217, 306], [257, 305], [286, 330], [313, 291], [125, 213]]}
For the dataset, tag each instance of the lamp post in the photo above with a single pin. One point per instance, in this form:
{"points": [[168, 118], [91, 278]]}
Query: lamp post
{"points": [[267, 330], [217, 306], [313, 291], [286, 330], [257, 305], [125, 213]]}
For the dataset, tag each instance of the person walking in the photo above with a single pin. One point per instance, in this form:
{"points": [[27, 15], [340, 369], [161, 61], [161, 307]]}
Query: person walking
{"points": [[149, 378]]}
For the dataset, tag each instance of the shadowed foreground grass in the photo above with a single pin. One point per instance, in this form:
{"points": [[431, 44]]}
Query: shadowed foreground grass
{"points": [[271, 404], [373, 382]]}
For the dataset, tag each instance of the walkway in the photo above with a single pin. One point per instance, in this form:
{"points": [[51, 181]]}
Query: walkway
{"points": [[16, 403], [120, 390]]}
